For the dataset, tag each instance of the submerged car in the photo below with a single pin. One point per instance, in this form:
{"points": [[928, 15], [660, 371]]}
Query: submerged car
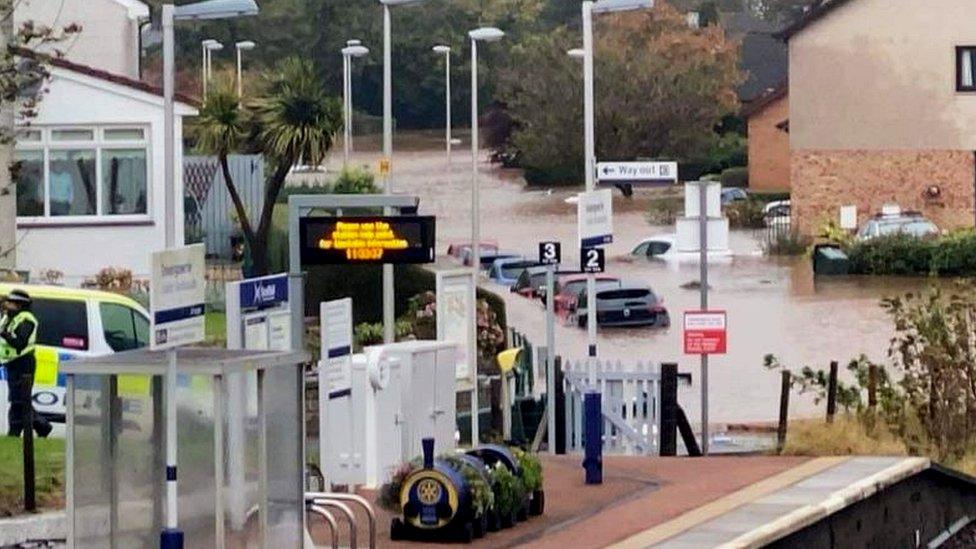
{"points": [[777, 213], [506, 271], [628, 305], [733, 194], [487, 258], [663, 247], [568, 290], [462, 250], [907, 223]]}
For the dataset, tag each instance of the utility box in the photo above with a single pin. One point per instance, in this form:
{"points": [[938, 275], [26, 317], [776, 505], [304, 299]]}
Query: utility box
{"points": [[830, 260], [398, 394], [116, 450]]}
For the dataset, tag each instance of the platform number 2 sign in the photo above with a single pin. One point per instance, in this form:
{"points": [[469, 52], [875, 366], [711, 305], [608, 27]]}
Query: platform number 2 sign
{"points": [[592, 260], [550, 253]]}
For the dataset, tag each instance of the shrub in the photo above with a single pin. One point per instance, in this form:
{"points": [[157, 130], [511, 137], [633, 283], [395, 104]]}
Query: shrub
{"points": [[304, 188], [355, 181], [785, 242], [664, 211], [746, 214], [509, 490], [897, 254], [735, 177], [531, 469]]}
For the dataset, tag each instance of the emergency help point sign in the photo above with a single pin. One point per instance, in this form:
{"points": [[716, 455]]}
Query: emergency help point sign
{"points": [[705, 332], [177, 296]]}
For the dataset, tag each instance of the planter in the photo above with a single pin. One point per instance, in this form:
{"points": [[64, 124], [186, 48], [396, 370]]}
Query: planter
{"points": [[538, 504]]}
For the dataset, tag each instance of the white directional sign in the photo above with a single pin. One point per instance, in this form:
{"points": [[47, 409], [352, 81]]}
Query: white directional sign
{"points": [[176, 299], [637, 172], [594, 212]]}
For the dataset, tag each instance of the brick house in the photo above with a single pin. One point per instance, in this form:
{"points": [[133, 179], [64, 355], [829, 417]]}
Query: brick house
{"points": [[769, 140], [882, 110]]}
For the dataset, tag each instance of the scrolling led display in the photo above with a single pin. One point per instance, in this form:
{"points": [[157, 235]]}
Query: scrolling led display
{"points": [[364, 240]]}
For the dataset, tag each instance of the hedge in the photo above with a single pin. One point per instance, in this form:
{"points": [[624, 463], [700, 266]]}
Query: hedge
{"points": [[735, 177], [949, 255]]}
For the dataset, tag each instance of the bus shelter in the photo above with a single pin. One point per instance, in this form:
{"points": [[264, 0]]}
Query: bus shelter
{"points": [[116, 452]]}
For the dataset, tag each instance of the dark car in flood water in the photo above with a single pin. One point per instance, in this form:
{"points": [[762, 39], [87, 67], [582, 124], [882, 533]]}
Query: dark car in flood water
{"points": [[628, 305]]}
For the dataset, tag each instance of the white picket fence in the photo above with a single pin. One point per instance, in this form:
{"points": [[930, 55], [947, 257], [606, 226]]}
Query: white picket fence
{"points": [[630, 402]]}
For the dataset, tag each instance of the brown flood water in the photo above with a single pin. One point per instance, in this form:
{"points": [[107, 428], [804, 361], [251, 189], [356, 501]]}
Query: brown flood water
{"points": [[774, 304]]}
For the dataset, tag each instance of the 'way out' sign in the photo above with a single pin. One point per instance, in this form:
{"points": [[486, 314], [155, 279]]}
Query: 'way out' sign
{"points": [[705, 332], [649, 173], [177, 296], [594, 212]]}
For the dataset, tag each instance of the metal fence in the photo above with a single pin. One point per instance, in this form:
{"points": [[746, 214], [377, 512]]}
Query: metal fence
{"points": [[210, 214], [630, 402]]}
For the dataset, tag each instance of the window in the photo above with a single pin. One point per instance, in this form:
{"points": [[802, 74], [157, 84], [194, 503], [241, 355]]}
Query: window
{"points": [[658, 248], [62, 323], [966, 68], [82, 172], [124, 328]]}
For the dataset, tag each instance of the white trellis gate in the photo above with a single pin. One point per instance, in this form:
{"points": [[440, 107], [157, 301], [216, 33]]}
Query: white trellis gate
{"points": [[631, 397]]}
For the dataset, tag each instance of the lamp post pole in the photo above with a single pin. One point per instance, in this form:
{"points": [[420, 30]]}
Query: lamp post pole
{"points": [[589, 153], [241, 46], [446, 50], [345, 109], [389, 311]]}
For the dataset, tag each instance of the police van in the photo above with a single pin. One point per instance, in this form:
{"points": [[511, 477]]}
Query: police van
{"points": [[74, 323]]}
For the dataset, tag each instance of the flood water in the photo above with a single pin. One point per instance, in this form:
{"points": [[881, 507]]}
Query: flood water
{"points": [[774, 304]]}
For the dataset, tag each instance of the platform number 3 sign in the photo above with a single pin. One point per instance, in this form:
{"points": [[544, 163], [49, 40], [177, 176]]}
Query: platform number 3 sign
{"points": [[592, 260], [550, 253]]}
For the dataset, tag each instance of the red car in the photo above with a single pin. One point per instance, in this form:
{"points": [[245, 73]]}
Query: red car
{"points": [[459, 250], [568, 289]]}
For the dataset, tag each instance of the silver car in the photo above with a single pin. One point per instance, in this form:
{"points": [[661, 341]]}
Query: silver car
{"points": [[887, 225]]}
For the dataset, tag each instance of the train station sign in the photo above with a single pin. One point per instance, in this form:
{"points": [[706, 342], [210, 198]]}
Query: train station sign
{"points": [[177, 291], [367, 240], [594, 212], [705, 332]]}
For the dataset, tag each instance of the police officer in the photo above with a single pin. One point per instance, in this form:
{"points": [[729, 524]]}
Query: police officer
{"points": [[18, 334]]}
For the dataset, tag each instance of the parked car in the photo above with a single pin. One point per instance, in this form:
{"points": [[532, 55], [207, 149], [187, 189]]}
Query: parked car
{"points": [[532, 282], [486, 258], [733, 194], [628, 305], [909, 223], [76, 323], [777, 213], [506, 271], [459, 250], [568, 290], [663, 247]]}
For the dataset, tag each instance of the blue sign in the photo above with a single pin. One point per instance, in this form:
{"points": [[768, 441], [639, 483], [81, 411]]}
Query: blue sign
{"points": [[268, 291]]}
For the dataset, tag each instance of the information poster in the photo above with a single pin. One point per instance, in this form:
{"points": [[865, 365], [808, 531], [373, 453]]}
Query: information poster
{"points": [[336, 339], [455, 317], [177, 292]]}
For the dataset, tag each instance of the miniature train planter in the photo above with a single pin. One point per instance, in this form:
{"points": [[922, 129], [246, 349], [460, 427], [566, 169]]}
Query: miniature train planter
{"points": [[437, 502]]}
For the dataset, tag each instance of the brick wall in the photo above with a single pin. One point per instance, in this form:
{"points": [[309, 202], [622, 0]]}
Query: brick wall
{"points": [[769, 148], [823, 181]]}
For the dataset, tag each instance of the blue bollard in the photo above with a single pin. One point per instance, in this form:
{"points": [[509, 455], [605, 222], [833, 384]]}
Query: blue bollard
{"points": [[171, 539], [593, 431]]}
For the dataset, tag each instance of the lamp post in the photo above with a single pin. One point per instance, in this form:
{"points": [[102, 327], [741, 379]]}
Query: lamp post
{"points": [[446, 52], [171, 537], [483, 34], [389, 315], [240, 47], [354, 48], [211, 47], [204, 45], [589, 161]]}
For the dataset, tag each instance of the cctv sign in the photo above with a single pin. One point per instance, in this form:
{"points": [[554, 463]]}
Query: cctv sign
{"points": [[705, 332]]}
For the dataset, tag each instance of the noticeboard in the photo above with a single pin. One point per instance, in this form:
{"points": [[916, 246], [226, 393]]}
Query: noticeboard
{"points": [[176, 297], [705, 332], [367, 240]]}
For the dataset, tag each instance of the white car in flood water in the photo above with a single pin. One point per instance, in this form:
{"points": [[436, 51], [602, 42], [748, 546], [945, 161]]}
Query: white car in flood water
{"points": [[662, 247]]}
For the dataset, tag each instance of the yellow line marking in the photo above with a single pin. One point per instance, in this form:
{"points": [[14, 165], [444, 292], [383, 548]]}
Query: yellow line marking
{"points": [[727, 503]]}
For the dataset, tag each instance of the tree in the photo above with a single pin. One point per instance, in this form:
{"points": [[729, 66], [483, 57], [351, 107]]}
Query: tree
{"points": [[22, 75], [295, 120], [661, 89]]}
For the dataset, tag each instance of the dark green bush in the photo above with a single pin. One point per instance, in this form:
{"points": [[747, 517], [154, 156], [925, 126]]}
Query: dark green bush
{"points": [[898, 254], [304, 188], [558, 176], [736, 177], [746, 214]]}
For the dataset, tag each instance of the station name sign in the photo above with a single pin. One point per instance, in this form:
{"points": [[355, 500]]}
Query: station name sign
{"points": [[367, 240]]}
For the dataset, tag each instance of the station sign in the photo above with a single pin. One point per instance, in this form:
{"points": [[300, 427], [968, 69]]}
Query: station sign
{"points": [[705, 332], [594, 212], [550, 253], [177, 291], [336, 344], [637, 173], [367, 240], [263, 292]]}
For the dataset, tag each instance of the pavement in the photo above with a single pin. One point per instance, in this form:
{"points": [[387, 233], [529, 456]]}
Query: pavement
{"points": [[729, 501]]}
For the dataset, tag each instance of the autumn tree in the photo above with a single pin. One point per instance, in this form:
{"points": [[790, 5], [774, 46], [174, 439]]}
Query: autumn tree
{"points": [[661, 88]]}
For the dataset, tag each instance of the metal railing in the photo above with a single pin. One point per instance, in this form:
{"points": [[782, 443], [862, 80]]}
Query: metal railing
{"points": [[631, 405], [316, 502]]}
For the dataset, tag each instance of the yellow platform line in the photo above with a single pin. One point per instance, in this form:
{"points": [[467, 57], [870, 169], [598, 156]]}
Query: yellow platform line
{"points": [[727, 503]]}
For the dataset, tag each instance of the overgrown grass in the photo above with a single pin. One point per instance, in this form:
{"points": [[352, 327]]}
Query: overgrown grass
{"points": [[786, 242], [49, 469], [844, 437], [216, 328], [665, 210]]}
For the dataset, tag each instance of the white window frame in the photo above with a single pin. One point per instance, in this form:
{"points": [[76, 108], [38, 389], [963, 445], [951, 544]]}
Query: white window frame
{"points": [[98, 145]]}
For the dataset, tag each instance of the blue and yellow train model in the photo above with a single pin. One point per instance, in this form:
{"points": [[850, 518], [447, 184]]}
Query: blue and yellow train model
{"points": [[437, 500]]}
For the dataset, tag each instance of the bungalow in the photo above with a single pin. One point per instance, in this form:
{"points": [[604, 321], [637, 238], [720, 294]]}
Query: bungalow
{"points": [[882, 106], [89, 166]]}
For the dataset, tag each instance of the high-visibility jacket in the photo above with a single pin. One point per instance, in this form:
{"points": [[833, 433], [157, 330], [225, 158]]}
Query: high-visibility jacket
{"points": [[7, 351]]}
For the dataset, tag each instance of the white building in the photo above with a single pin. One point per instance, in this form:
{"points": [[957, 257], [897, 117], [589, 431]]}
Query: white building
{"points": [[90, 189], [110, 30]]}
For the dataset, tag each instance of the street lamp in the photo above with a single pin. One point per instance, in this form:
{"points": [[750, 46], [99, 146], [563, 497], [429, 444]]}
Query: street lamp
{"points": [[211, 47], [446, 52], [353, 48], [577, 53], [589, 161], [241, 46], [171, 536], [205, 47], [389, 316], [483, 34]]}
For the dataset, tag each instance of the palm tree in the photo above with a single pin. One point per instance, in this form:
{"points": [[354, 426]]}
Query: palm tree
{"points": [[295, 120]]}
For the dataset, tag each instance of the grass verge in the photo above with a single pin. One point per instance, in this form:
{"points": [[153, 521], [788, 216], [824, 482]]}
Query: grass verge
{"points": [[49, 469]]}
